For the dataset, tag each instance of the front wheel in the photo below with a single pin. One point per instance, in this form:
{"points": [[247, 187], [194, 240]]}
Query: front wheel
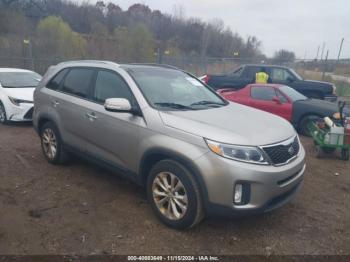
{"points": [[174, 195], [3, 116]]}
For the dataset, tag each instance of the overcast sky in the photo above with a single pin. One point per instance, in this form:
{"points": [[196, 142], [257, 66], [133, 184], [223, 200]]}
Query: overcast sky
{"points": [[298, 25]]}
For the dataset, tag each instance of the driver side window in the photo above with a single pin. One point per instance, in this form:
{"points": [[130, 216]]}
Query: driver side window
{"points": [[110, 85], [280, 75]]}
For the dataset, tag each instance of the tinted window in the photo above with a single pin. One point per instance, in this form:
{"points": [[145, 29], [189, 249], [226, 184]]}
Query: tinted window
{"points": [[19, 79], [280, 74], [77, 82], [110, 85], [55, 82], [263, 93]]}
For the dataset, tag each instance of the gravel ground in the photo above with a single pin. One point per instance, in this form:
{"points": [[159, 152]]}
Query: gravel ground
{"points": [[82, 209]]}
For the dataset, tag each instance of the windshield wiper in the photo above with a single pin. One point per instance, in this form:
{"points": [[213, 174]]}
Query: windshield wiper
{"points": [[174, 105], [205, 102]]}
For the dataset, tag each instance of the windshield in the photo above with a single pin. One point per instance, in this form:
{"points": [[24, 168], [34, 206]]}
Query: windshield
{"points": [[292, 94], [296, 74], [19, 79], [174, 90]]}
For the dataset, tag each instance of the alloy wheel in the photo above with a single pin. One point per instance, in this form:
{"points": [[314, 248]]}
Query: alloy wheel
{"points": [[170, 195], [49, 143]]}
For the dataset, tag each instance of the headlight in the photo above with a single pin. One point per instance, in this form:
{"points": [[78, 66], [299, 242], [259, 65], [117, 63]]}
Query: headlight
{"points": [[334, 89], [17, 102], [248, 154]]}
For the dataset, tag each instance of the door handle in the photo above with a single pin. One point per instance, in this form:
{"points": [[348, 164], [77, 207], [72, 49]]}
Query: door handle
{"points": [[55, 103], [91, 116]]}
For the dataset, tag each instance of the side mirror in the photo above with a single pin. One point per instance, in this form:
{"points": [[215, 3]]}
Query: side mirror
{"points": [[118, 105], [277, 100]]}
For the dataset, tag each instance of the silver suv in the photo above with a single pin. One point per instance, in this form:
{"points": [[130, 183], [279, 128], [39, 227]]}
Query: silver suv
{"points": [[196, 153]]}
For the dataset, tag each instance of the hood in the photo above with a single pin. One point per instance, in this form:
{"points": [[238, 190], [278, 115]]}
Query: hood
{"points": [[318, 83], [320, 107], [20, 93], [232, 124]]}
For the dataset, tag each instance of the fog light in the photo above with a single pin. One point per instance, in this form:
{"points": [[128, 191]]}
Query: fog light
{"points": [[238, 193]]}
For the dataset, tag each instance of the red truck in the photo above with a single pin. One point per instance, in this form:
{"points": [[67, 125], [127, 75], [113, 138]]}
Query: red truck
{"points": [[283, 101]]}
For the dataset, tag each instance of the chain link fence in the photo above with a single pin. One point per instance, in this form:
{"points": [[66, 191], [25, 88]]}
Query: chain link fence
{"points": [[334, 71]]}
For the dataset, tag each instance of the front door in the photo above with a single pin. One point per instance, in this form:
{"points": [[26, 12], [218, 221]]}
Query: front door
{"points": [[113, 136], [269, 99]]}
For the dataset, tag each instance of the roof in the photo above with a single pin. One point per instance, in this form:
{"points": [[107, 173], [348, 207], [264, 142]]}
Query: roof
{"points": [[89, 62], [10, 70], [268, 85], [264, 65]]}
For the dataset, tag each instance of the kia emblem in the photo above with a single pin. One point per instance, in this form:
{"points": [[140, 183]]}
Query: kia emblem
{"points": [[291, 150]]}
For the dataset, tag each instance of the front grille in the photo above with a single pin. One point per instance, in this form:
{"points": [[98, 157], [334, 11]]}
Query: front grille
{"points": [[281, 153], [29, 114]]}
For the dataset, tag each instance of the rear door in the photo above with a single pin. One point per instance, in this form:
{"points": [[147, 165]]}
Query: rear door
{"points": [[71, 103], [262, 97]]}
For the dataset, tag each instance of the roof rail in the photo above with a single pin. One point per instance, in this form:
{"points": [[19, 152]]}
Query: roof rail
{"points": [[158, 65], [89, 61]]}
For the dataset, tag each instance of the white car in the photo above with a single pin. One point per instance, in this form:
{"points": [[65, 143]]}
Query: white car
{"points": [[16, 94]]}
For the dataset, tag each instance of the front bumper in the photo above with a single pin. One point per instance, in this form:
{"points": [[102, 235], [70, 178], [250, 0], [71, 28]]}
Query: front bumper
{"points": [[269, 186], [23, 112]]}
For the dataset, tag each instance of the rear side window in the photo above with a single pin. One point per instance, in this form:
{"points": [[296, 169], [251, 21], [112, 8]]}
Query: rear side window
{"points": [[110, 85], [263, 93], [77, 82], [56, 81]]}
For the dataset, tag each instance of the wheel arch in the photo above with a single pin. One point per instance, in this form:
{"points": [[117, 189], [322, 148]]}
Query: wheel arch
{"points": [[153, 156]]}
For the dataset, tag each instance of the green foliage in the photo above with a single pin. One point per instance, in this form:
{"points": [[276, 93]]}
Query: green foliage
{"points": [[58, 40], [136, 45]]}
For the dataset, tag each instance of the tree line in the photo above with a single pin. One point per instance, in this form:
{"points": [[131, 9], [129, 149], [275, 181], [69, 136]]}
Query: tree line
{"points": [[59, 29]]}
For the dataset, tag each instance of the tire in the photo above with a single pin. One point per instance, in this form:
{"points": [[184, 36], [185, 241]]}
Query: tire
{"points": [[187, 189], [345, 154], [318, 151], [52, 145], [3, 116], [302, 127]]}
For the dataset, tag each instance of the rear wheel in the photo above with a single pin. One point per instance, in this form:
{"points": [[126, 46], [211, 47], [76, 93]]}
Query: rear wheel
{"points": [[52, 145], [3, 116], [174, 195]]}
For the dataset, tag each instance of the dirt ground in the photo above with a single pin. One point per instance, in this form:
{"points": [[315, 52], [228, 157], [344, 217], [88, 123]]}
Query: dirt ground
{"points": [[82, 209]]}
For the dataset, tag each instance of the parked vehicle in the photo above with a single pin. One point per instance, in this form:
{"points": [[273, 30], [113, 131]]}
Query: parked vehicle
{"points": [[245, 75], [16, 94], [195, 152], [283, 101]]}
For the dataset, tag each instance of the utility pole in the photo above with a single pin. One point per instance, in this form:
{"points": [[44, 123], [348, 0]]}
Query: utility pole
{"points": [[340, 48], [325, 66], [323, 46], [318, 50]]}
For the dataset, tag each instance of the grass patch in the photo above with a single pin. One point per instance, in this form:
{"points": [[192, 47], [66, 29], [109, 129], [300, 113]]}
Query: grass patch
{"points": [[343, 88]]}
